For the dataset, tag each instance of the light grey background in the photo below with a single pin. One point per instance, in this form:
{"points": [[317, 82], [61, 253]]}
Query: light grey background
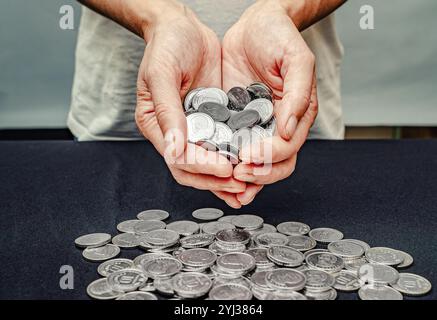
{"points": [[389, 74]]}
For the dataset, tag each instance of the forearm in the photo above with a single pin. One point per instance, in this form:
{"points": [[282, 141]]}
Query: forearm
{"points": [[135, 15], [305, 13]]}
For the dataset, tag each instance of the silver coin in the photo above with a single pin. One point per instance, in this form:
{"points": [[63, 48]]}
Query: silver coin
{"points": [[216, 226], [148, 286], [284, 295], [103, 253], [258, 90], [292, 228], [219, 280], [264, 229], [259, 280], [227, 218], [197, 257], [126, 280], [301, 243], [145, 226], [264, 107], [383, 255], [330, 294], [318, 280], [183, 227], [188, 101], [243, 119], [108, 267], [191, 284], [230, 291], [378, 274], [371, 292], [162, 267], [164, 286], [346, 249], [233, 236], [260, 131], [270, 239], [236, 262], [238, 98], [93, 240], [260, 256], [408, 260], [137, 295], [200, 126], [245, 137], [325, 261], [347, 281], [412, 284], [209, 95], [153, 214], [262, 85], [143, 258], [217, 111], [248, 221], [284, 255], [207, 214], [363, 244], [286, 279], [126, 240], [307, 253], [99, 289], [127, 226], [220, 250], [325, 235], [197, 240], [354, 264], [161, 237]]}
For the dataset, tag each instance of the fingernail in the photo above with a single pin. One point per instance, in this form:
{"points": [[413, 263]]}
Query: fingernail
{"points": [[290, 128], [245, 177]]}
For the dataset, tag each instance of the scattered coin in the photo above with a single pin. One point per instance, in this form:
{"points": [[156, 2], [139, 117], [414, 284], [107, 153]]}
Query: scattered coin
{"points": [[126, 280], [270, 239], [197, 257], [216, 111], [408, 260], [197, 240], [301, 243], [103, 253], [412, 284], [127, 226], [153, 214], [191, 284], [371, 292], [230, 291], [325, 235], [126, 240], [292, 228], [144, 226], [248, 221], [286, 279], [137, 295], [347, 281], [207, 214], [163, 237], [216, 226], [93, 240], [238, 98], [111, 266], [285, 256], [99, 289], [215, 95], [243, 119], [377, 274], [346, 249], [325, 261], [183, 227], [385, 256]]}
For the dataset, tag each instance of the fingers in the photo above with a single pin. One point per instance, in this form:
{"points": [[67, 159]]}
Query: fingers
{"points": [[298, 72], [265, 174], [248, 196], [207, 182], [164, 87], [198, 160], [230, 199]]}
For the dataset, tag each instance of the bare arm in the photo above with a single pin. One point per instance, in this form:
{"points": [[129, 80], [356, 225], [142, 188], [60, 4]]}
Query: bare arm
{"points": [[305, 13], [135, 15]]}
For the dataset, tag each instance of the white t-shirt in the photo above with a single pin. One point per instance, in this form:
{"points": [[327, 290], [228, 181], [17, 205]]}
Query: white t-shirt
{"points": [[108, 57]]}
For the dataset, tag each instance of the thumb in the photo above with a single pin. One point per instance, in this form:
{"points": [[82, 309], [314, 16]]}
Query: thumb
{"points": [[165, 91]]}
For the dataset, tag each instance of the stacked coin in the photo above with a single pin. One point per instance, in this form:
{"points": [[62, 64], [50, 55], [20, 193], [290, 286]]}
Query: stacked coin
{"points": [[225, 123], [240, 257]]}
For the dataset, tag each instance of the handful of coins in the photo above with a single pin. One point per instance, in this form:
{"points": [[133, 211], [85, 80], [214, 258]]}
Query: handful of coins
{"points": [[239, 257], [225, 123]]}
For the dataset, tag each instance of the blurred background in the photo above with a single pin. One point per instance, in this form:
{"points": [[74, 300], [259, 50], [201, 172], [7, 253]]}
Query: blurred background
{"points": [[389, 74]]}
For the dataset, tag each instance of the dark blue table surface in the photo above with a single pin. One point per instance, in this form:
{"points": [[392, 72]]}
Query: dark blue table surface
{"points": [[382, 192]]}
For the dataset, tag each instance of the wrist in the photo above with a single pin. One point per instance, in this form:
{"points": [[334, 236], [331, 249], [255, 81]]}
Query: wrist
{"points": [[294, 9], [154, 12]]}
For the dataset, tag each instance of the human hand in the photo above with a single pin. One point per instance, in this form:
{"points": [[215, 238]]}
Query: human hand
{"points": [[265, 45], [181, 53]]}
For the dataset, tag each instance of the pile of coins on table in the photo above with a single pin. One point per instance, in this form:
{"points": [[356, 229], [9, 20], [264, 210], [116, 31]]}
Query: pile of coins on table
{"points": [[224, 122], [239, 257]]}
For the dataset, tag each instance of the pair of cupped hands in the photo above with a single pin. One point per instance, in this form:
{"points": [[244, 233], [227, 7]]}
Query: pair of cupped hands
{"points": [[182, 53]]}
